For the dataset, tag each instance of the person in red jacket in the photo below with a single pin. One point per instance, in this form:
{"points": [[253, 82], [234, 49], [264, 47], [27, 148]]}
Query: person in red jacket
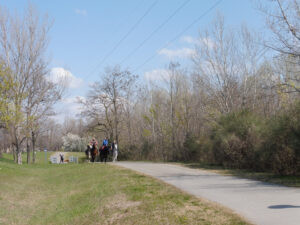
{"points": [[94, 144]]}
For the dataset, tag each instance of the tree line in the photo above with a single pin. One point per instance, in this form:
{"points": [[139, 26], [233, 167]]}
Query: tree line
{"points": [[237, 105]]}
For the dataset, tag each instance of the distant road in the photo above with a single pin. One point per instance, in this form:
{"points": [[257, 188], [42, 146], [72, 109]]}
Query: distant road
{"points": [[261, 203]]}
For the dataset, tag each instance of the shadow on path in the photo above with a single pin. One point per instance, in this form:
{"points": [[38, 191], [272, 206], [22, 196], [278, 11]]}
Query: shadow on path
{"points": [[283, 206]]}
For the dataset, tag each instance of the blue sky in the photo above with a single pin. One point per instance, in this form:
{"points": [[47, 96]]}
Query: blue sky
{"points": [[85, 31]]}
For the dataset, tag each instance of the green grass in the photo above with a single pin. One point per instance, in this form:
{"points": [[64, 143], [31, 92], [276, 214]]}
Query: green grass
{"points": [[290, 181], [40, 157], [97, 194]]}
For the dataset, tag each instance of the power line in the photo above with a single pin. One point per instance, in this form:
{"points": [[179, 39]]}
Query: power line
{"points": [[155, 31], [123, 23], [124, 37], [179, 34]]}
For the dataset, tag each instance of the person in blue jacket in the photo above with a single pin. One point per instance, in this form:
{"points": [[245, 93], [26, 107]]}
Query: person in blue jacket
{"points": [[105, 142], [104, 150]]}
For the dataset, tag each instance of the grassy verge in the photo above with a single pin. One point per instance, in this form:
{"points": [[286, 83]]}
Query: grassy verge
{"points": [[290, 181], [97, 194]]}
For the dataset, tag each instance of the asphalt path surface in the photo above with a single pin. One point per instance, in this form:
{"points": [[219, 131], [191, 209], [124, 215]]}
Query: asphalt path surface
{"points": [[260, 203]]}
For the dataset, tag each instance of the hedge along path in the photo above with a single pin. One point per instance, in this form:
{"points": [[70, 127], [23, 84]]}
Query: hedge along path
{"points": [[259, 202]]}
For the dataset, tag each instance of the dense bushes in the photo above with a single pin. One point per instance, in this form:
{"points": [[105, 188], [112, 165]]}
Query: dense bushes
{"points": [[244, 140], [235, 140], [127, 153], [240, 140], [281, 145], [197, 149]]}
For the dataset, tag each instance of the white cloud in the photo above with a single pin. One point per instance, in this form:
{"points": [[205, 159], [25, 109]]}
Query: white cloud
{"points": [[196, 41], [68, 107], [177, 53], [72, 106], [190, 40], [208, 42], [156, 75], [59, 74], [186, 52], [82, 12]]}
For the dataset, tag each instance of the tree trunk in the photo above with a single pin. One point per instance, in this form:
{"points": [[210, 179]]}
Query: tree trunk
{"points": [[19, 155], [129, 131], [14, 153], [116, 120], [33, 140], [172, 120], [18, 150], [28, 150], [27, 137]]}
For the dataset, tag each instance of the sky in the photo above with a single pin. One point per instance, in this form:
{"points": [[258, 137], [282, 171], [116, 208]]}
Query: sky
{"points": [[89, 35]]}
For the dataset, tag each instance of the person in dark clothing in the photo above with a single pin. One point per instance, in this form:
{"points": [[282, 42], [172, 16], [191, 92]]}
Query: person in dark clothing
{"points": [[103, 153], [104, 150], [87, 152], [61, 158]]}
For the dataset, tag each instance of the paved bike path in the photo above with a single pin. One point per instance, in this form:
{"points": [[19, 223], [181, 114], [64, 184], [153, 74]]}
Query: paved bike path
{"points": [[261, 203]]}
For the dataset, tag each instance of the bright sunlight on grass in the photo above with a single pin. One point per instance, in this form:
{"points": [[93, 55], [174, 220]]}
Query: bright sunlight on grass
{"points": [[96, 194]]}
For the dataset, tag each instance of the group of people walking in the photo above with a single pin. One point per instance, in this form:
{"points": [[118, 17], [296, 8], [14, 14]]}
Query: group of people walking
{"points": [[101, 154]]}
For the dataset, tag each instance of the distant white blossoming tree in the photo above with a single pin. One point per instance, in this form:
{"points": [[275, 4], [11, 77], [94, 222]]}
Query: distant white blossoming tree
{"points": [[74, 143]]}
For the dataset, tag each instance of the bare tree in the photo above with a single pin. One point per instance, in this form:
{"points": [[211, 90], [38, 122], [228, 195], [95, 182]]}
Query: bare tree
{"points": [[23, 43], [114, 85], [109, 102], [215, 62], [226, 62], [283, 20], [42, 95], [49, 135], [98, 109]]}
